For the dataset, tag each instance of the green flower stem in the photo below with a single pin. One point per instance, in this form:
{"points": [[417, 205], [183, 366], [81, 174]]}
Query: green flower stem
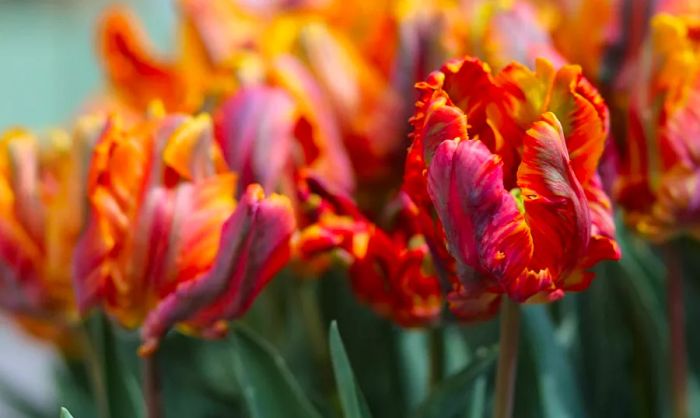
{"points": [[676, 319], [313, 320], [507, 359], [437, 356], [94, 363], [152, 386]]}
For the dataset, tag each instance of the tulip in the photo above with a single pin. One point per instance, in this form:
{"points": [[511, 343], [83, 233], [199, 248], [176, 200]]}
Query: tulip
{"points": [[166, 242], [42, 199], [389, 270], [659, 164], [508, 165]]}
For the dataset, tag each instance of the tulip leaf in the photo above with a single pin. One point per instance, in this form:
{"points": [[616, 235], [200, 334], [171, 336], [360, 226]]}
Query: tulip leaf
{"points": [[65, 413], [269, 388], [453, 394], [558, 388], [351, 399]]}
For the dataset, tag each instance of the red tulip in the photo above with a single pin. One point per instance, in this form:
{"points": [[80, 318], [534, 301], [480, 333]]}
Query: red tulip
{"points": [[508, 164]]}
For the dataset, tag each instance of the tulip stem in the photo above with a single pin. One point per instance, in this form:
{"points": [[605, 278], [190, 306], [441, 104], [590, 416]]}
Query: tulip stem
{"points": [[437, 356], [676, 318], [507, 359], [152, 386], [94, 365]]}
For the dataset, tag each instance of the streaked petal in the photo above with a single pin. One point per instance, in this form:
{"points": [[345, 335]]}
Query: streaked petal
{"points": [[485, 231], [556, 208], [318, 133], [584, 118], [255, 129]]}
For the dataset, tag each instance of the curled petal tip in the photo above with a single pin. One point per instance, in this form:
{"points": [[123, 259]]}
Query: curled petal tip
{"points": [[149, 347]]}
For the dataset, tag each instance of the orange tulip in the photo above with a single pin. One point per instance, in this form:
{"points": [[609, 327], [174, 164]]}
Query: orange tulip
{"points": [[166, 241], [41, 215]]}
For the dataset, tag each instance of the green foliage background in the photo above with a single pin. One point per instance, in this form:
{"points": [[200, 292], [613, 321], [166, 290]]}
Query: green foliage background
{"points": [[309, 349]]}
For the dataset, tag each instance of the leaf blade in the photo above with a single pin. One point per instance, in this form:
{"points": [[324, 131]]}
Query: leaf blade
{"points": [[449, 398], [351, 399], [269, 388]]}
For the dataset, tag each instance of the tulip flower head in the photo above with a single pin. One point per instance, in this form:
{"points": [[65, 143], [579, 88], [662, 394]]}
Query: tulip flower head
{"points": [[42, 204], [508, 163], [389, 270], [166, 242], [660, 164]]}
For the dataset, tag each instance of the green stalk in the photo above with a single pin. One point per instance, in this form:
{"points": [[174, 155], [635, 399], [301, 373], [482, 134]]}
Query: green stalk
{"points": [[437, 356], [676, 318], [152, 386], [93, 362], [507, 359]]}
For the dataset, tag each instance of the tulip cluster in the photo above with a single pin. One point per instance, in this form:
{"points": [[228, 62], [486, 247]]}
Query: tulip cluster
{"points": [[472, 186]]}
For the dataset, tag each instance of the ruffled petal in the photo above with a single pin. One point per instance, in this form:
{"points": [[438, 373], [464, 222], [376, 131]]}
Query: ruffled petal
{"points": [[436, 121], [137, 76], [584, 118], [555, 204], [387, 267]]}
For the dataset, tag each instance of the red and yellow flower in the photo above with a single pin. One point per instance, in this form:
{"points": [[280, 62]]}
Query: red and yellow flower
{"points": [[508, 164], [166, 241], [389, 270], [660, 161], [41, 216]]}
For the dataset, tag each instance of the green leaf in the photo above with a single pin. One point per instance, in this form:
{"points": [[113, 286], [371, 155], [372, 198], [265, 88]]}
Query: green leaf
{"points": [[558, 387], [351, 399], [65, 413], [269, 389], [452, 396]]}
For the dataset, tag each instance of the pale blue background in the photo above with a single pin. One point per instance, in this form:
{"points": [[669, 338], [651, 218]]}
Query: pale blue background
{"points": [[47, 59]]}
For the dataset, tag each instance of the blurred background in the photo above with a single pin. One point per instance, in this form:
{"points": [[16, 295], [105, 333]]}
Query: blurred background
{"points": [[47, 70], [48, 65]]}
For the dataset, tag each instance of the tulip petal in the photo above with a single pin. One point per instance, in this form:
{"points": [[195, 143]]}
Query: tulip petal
{"points": [[136, 75], [188, 147], [515, 34], [603, 245], [438, 121], [556, 209], [485, 231], [249, 125], [584, 119], [318, 132]]}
